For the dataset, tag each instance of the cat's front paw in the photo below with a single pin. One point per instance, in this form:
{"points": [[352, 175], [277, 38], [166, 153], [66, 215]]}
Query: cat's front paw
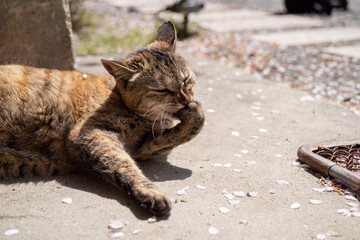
{"points": [[153, 200], [192, 114]]}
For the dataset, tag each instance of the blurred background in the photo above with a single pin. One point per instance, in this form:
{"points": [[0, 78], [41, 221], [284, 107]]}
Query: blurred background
{"points": [[317, 49]]}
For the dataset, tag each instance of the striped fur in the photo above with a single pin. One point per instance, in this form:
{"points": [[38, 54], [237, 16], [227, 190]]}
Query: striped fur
{"points": [[59, 121]]}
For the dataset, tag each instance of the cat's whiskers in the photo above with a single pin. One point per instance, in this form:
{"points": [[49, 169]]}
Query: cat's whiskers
{"points": [[151, 110]]}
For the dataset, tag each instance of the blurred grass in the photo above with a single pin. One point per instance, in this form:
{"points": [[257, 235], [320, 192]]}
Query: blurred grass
{"points": [[99, 35]]}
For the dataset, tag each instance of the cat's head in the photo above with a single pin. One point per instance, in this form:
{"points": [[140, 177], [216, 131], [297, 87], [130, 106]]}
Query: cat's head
{"points": [[155, 81]]}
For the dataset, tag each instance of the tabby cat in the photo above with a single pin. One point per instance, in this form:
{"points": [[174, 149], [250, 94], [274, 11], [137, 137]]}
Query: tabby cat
{"points": [[55, 121]]}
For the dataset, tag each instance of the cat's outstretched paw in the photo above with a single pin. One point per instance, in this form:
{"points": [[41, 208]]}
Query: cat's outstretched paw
{"points": [[153, 200]]}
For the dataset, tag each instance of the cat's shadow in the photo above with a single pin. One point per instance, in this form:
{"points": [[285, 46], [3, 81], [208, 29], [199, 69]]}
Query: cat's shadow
{"points": [[157, 170]]}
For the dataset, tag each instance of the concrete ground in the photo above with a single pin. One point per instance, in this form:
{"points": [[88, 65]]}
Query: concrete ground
{"points": [[233, 103]]}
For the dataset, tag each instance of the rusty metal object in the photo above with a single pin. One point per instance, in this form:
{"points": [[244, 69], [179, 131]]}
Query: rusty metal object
{"points": [[340, 160]]}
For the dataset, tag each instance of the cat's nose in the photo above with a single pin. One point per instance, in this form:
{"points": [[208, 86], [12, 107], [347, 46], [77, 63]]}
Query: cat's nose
{"points": [[186, 100]]}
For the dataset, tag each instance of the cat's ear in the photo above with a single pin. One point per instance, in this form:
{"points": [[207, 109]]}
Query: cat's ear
{"points": [[167, 33], [118, 69]]}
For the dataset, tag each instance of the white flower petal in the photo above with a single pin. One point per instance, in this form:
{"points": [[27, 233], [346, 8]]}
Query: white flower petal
{"points": [[282, 182], [315, 202], [117, 235], [239, 193], [250, 162], [210, 110], [67, 200], [116, 224], [252, 194], [321, 236], [136, 231], [229, 196], [213, 230], [278, 155], [355, 214], [224, 210], [217, 165], [333, 234], [233, 202], [254, 137], [260, 118], [352, 204], [272, 191], [239, 96], [296, 163], [244, 151], [152, 219], [227, 165], [237, 155], [11, 232], [245, 222], [235, 133], [343, 211], [183, 191], [263, 130], [295, 205], [200, 187], [237, 170], [350, 197]]}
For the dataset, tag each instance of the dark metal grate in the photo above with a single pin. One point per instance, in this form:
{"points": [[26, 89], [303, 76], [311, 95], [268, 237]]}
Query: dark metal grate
{"points": [[347, 156]]}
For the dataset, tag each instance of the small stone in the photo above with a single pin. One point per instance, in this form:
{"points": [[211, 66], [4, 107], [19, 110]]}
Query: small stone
{"points": [[272, 191]]}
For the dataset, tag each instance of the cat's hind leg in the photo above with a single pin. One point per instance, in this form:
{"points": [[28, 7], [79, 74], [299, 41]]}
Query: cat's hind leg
{"points": [[15, 164]]}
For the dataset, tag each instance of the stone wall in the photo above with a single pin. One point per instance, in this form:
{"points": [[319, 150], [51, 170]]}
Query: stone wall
{"points": [[36, 33]]}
